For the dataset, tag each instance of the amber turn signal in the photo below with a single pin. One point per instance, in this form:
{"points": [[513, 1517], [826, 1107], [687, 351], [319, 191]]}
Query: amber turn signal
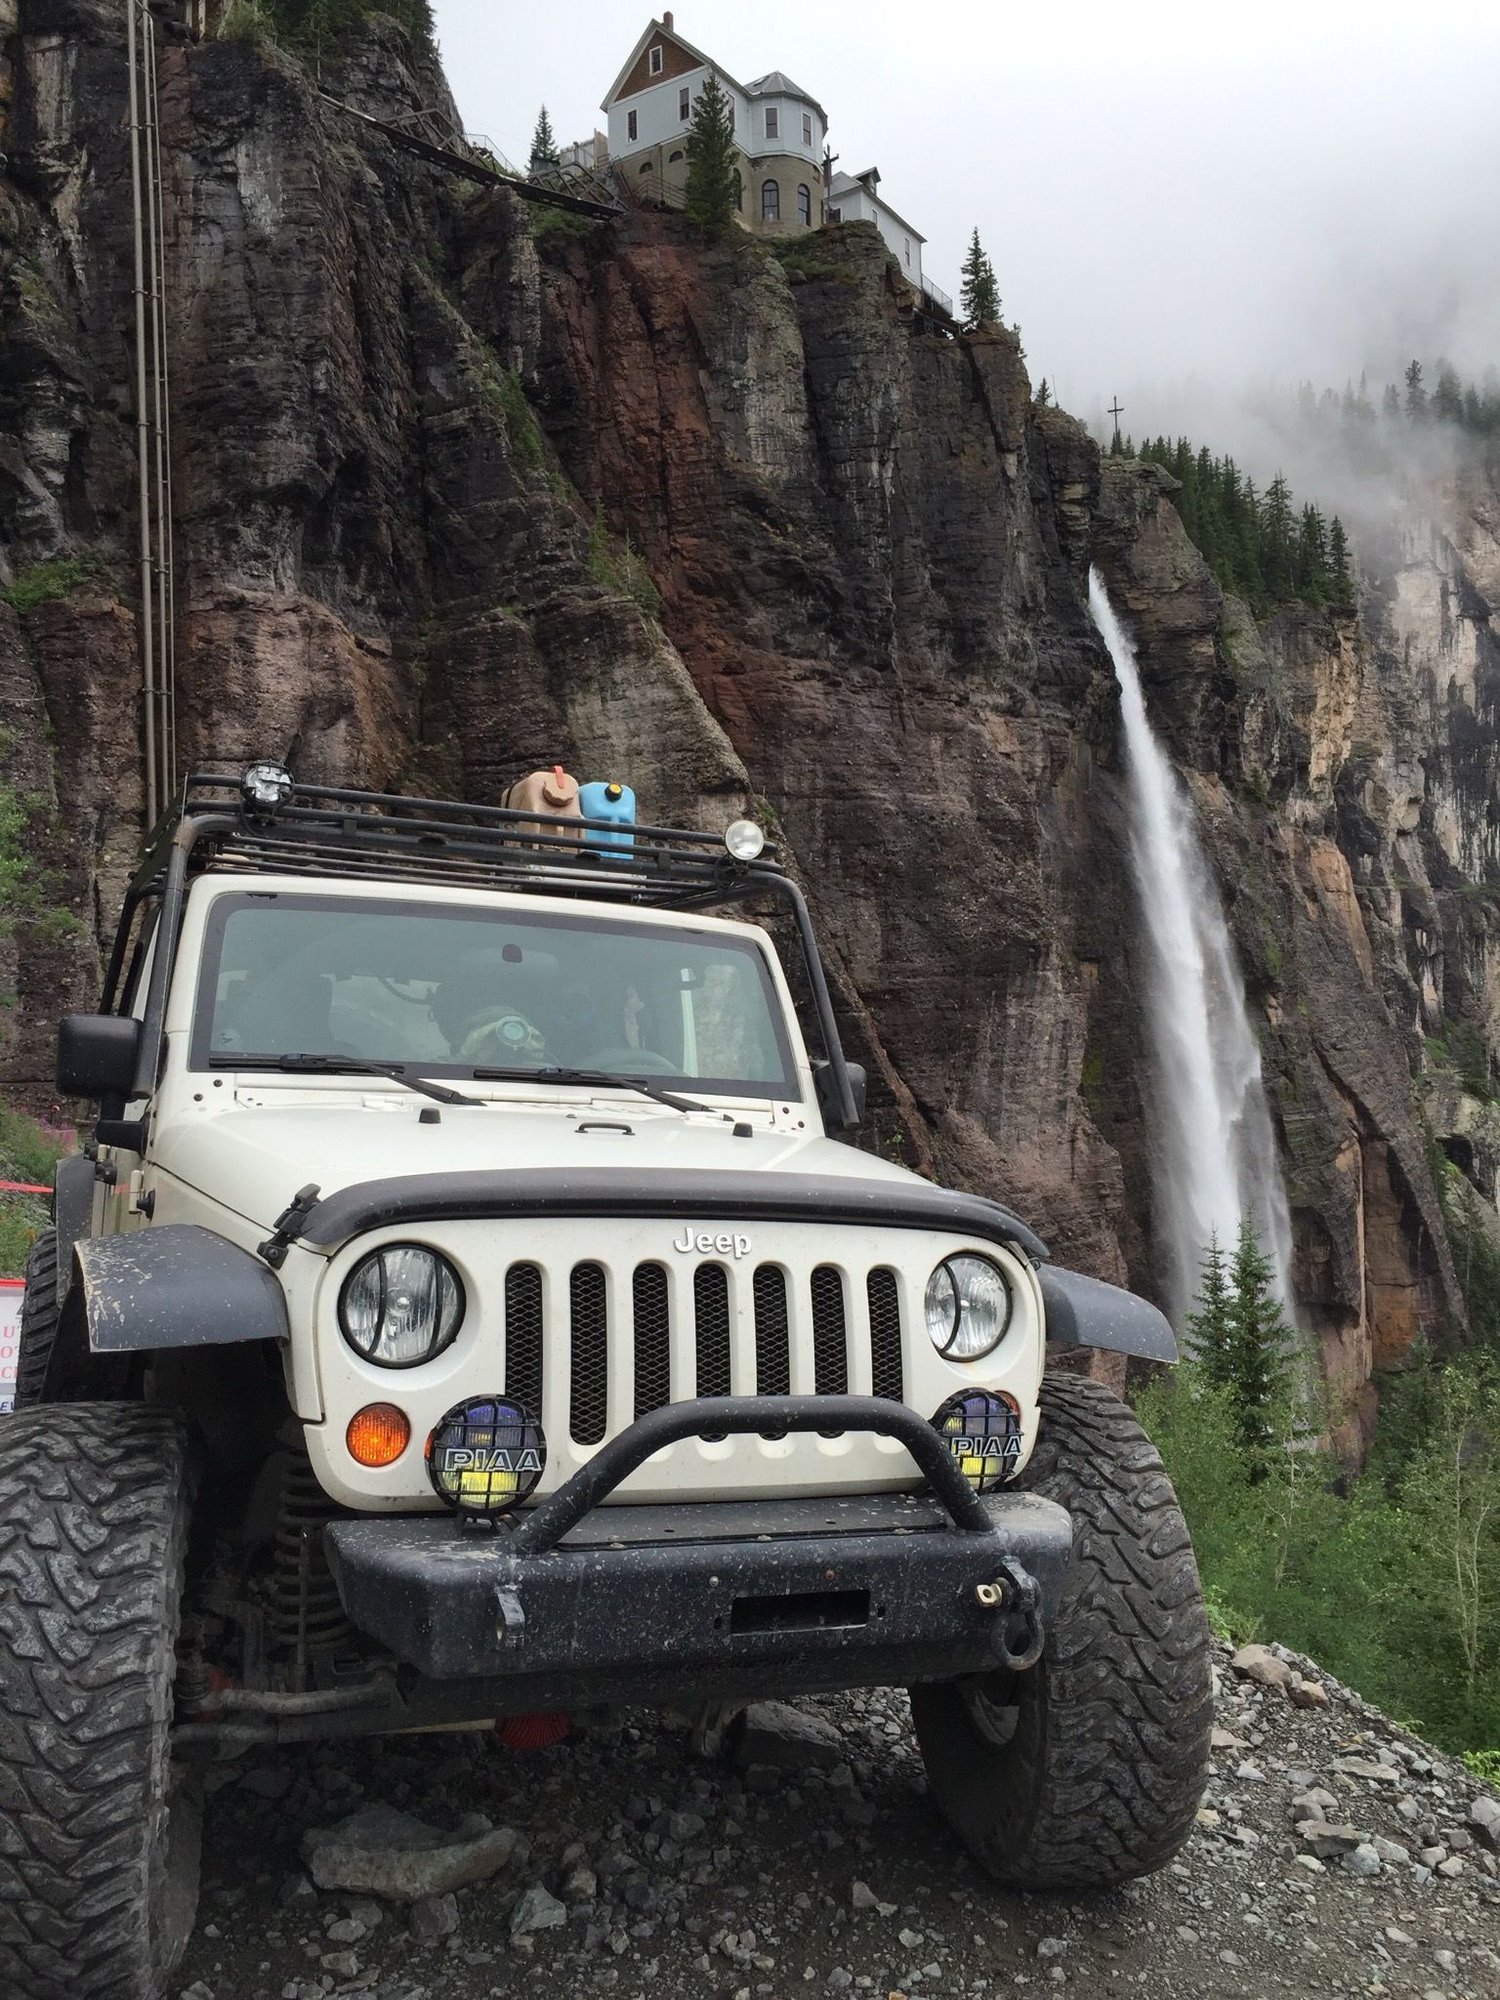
{"points": [[378, 1434]]}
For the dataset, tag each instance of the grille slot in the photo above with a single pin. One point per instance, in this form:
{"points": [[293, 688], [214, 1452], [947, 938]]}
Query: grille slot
{"points": [[773, 1348], [590, 1377], [711, 1316], [886, 1376], [523, 1336], [830, 1333], [653, 1338]]}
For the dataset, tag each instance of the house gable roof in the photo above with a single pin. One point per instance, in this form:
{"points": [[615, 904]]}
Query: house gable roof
{"points": [[656, 32], [865, 184]]}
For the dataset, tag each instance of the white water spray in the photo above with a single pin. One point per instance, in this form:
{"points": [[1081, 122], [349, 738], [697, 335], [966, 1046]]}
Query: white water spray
{"points": [[1217, 1151]]}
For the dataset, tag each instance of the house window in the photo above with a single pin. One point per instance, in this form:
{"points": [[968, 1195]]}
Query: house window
{"points": [[804, 206], [630, 124], [654, 60], [773, 122], [673, 157], [739, 189], [906, 248], [807, 128], [644, 167], [770, 201], [685, 102], [835, 215]]}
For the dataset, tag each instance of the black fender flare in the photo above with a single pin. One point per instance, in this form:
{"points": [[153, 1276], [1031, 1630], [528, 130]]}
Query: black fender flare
{"points": [[1085, 1312], [72, 1208], [175, 1285]]}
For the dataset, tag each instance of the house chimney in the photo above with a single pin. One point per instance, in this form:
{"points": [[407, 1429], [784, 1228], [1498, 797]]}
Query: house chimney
{"points": [[666, 21]]}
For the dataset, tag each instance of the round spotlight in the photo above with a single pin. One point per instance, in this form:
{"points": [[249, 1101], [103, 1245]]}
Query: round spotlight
{"points": [[744, 839], [264, 787], [486, 1455], [982, 1430], [377, 1435]]}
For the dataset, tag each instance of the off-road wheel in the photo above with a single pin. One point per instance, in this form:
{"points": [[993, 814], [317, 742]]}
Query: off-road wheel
{"points": [[98, 1849], [1087, 1769], [40, 1305]]}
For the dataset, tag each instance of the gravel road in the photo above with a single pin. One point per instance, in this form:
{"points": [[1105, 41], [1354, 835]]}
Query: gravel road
{"points": [[642, 1866]]}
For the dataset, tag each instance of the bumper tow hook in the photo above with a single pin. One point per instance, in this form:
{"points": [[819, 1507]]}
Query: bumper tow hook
{"points": [[1016, 1595]]}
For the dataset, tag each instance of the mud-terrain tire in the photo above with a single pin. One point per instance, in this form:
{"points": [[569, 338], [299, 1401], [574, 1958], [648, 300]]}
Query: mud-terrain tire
{"points": [[1088, 1769], [98, 1862], [40, 1307]]}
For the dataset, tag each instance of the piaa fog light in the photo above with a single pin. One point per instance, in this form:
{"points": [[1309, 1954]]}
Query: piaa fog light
{"points": [[982, 1430], [266, 786], [486, 1455]]}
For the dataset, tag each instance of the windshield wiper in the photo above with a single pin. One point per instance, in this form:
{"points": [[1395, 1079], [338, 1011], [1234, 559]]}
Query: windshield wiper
{"points": [[603, 1077], [346, 1066]]}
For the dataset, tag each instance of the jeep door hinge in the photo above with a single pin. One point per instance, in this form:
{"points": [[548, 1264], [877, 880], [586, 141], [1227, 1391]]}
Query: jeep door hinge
{"points": [[289, 1226]]}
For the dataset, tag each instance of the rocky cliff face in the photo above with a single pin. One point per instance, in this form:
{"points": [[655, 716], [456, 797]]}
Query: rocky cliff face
{"points": [[454, 499]]}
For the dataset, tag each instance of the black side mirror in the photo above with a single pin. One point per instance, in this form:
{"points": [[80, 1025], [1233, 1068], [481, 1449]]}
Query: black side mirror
{"points": [[828, 1095], [97, 1055]]}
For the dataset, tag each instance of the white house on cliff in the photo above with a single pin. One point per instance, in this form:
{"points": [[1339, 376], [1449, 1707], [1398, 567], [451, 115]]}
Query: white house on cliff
{"points": [[786, 179]]}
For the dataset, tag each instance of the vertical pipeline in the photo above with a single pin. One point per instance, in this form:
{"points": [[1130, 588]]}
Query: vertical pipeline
{"points": [[157, 241], [135, 11]]}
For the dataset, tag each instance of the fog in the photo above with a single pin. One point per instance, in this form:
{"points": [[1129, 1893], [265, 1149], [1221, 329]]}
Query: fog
{"points": [[1178, 200]]}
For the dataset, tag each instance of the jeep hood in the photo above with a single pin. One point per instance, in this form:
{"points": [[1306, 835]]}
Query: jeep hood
{"points": [[251, 1159]]}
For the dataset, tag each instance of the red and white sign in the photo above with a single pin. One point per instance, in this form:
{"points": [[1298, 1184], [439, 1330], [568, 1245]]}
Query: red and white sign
{"points": [[12, 1291]]}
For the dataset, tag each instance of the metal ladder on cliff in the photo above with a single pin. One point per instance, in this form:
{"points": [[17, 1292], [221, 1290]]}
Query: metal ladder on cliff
{"points": [[158, 621]]}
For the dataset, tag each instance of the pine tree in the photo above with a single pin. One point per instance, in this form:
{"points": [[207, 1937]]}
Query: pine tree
{"points": [[543, 145], [1448, 396], [1391, 403], [1340, 571], [1312, 557], [979, 293], [1276, 541], [711, 155], [1416, 395], [1252, 1363], [1207, 1330], [1043, 395]]}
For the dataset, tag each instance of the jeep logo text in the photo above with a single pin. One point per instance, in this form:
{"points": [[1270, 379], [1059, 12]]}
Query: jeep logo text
{"points": [[708, 1245]]}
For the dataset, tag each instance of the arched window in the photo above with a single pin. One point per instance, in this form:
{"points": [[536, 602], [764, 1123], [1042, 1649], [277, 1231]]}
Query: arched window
{"points": [[770, 201], [739, 190], [672, 157], [804, 205], [644, 167]]}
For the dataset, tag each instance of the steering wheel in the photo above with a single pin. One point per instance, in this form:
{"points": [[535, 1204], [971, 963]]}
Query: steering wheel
{"points": [[633, 1062], [508, 1040]]}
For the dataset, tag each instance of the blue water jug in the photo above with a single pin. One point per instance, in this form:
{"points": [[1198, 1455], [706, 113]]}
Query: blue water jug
{"points": [[611, 801]]}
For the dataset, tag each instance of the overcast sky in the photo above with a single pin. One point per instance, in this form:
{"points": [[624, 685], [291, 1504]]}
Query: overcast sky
{"points": [[1177, 193]]}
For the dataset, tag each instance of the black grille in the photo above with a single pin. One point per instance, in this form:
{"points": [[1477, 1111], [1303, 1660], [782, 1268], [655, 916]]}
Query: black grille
{"points": [[711, 1316], [523, 1336], [590, 1378], [653, 1343], [885, 1336], [830, 1344], [773, 1354]]}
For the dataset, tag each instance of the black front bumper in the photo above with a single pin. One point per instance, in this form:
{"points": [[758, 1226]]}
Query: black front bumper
{"points": [[574, 1605]]}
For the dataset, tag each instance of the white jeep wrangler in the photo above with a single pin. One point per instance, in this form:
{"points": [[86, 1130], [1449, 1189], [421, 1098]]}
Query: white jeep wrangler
{"points": [[461, 1312]]}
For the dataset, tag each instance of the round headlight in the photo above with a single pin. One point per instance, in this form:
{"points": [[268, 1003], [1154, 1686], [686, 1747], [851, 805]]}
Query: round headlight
{"points": [[969, 1305], [401, 1305], [744, 839]]}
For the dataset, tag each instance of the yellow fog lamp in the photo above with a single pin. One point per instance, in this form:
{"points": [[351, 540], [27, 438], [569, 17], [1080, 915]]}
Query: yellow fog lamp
{"points": [[486, 1455], [982, 1430]]}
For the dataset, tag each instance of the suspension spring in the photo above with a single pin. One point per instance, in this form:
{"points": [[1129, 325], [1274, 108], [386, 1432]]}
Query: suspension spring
{"points": [[305, 1616]]}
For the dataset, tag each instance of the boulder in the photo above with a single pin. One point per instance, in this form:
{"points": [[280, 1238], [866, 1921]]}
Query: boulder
{"points": [[381, 1852]]}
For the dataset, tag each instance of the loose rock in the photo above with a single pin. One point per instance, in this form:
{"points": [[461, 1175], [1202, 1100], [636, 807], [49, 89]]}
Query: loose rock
{"points": [[388, 1853]]}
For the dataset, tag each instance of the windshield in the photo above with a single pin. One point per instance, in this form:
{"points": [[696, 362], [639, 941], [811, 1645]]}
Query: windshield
{"points": [[452, 989]]}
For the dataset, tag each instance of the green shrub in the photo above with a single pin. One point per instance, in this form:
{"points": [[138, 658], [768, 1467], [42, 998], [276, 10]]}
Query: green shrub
{"points": [[618, 567], [28, 1152], [45, 581]]}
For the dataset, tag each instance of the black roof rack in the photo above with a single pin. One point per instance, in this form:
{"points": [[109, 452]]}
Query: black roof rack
{"points": [[329, 830], [386, 836]]}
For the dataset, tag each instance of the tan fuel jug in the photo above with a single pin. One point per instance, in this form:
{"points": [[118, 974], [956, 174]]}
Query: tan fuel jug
{"points": [[551, 795]]}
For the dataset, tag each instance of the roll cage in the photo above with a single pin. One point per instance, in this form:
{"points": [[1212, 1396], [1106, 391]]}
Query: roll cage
{"points": [[332, 832]]}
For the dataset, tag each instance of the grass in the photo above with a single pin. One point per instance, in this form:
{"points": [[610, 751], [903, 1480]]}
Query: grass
{"points": [[617, 567], [28, 1152], [45, 581]]}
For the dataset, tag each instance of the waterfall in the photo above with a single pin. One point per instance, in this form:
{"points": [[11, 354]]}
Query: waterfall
{"points": [[1215, 1149]]}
